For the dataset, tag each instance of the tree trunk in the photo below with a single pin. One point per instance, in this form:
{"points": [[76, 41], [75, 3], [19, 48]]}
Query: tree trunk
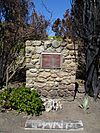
{"points": [[92, 68], [87, 20]]}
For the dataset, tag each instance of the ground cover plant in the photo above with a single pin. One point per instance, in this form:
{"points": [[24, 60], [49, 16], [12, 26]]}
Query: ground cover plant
{"points": [[23, 100]]}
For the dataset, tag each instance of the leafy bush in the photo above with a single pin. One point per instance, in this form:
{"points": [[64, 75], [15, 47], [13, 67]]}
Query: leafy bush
{"points": [[4, 99], [58, 38], [22, 100]]}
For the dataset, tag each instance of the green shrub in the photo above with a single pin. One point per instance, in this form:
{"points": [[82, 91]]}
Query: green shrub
{"points": [[58, 38], [4, 99], [22, 100]]}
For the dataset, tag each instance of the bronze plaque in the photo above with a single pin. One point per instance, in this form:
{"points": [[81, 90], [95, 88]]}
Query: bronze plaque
{"points": [[51, 60]]}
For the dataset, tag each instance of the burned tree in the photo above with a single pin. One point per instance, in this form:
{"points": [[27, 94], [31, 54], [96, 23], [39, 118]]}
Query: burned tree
{"points": [[84, 23], [86, 18], [16, 26]]}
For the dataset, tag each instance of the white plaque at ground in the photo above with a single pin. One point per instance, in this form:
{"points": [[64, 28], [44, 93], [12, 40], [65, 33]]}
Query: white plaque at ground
{"points": [[75, 125]]}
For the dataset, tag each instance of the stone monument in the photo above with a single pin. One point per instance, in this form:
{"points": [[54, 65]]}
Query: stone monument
{"points": [[51, 67]]}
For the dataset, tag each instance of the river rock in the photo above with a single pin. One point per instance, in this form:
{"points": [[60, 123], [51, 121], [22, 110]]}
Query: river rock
{"points": [[39, 50], [61, 93], [44, 93], [44, 74], [55, 44], [53, 93]]}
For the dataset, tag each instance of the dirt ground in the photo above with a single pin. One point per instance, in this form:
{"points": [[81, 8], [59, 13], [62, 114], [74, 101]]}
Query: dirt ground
{"points": [[11, 122]]}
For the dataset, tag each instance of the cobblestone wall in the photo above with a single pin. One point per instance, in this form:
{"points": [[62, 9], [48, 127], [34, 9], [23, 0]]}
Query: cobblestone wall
{"points": [[51, 83]]}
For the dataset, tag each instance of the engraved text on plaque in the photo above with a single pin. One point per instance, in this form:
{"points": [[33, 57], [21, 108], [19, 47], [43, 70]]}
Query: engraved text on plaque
{"points": [[51, 60]]}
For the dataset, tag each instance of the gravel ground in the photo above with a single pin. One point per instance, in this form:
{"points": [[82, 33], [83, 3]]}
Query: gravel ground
{"points": [[11, 122]]}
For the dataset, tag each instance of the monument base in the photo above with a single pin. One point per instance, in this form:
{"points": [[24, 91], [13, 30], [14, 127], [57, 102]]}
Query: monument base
{"points": [[72, 125]]}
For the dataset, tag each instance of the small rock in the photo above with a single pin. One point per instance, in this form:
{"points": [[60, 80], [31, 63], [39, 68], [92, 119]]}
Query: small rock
{"points": [[28, 43], [69, 40], [70, 46], [41, 80], [36, 43], [50, 83], [61, 93], [33, 70], [54, 75], [50, 49], [44, 93], [30, 74], [34, 61], [53, 93], [71, 87], [73, 79], [63, 44], [35, 56], [47, 88], [55, 44], [58, 79], [27, 60], [45, 74], [58, 50], [28, 55], [29, 65], [39, 50], [40, 85], [52, 104]]}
